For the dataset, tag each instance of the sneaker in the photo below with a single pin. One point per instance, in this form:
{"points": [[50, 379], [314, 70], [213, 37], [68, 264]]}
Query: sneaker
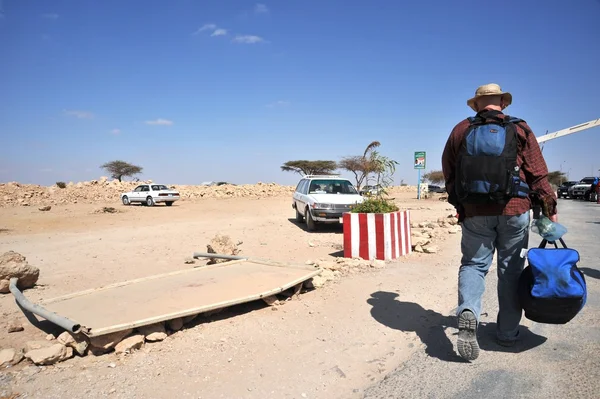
{"points": [[467, 344]]}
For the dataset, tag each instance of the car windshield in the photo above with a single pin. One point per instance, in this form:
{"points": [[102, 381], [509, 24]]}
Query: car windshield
{"points": [[157, 187], [331, 186], [587, 180]]}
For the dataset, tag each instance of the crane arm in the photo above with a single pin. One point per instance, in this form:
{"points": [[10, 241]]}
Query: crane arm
{"points": [[570, 130]]}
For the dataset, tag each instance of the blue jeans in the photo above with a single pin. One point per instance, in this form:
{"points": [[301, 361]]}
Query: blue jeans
{"points": [[481, 237]]}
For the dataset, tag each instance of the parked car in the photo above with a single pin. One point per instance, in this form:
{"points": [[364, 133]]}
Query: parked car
{"points": [[582, 189], [323, 199], [150, 194], [370, 190], [563, 190], [436, 189]]}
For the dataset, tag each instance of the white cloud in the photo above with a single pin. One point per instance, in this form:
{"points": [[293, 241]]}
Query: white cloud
{"points": [[205, 27], [159, 121], [219, 32], [79, 114], [50, 16], [116, 131], [261, 9], [248, 39], [280, 103]]}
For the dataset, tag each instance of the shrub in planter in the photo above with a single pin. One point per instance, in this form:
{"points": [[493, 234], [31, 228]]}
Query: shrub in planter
{"points": [[376, 228]]}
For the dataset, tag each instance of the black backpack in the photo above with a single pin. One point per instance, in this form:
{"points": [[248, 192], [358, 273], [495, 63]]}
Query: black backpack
{"points": [[487, 169]]}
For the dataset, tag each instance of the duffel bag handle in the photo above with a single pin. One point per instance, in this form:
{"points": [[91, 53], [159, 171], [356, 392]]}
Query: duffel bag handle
{"points": [[544, 242]]}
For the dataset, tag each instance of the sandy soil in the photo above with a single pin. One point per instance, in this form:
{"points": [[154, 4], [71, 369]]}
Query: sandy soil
{"points": [[327, 343]]}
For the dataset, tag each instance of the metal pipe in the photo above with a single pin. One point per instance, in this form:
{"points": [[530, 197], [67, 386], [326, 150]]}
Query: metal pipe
{"points": [[221, 256], [40, 311]]}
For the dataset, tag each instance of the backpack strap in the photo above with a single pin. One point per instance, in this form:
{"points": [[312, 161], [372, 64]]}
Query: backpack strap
{"points": [[517, 121]]}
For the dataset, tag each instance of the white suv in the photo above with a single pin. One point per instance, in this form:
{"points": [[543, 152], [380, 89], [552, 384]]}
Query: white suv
{"points": [[323, 199]]}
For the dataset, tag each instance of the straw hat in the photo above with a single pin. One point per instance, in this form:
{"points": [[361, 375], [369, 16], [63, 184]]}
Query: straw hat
{"points": [[491, 89]]}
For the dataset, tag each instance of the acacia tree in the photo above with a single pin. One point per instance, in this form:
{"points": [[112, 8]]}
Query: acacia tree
{"points": [[304, 167], [118, 169], [557, 177], [361, 165], [435, 176]]}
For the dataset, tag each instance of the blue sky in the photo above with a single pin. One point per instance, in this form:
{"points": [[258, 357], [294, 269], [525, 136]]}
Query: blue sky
{"points": [[230, 90]]}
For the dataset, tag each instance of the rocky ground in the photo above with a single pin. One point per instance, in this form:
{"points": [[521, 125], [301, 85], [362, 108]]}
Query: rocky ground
{"points": [[88, 239]]}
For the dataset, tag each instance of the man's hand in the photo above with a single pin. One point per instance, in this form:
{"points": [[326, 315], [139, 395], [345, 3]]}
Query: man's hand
{"points": [[554, 218]]}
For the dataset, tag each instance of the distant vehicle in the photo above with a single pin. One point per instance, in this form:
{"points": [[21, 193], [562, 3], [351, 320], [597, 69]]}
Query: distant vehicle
{"points": [[436, 189], [323, 199], [150, 195], [371, 190], [563, 190], [582, 189], [216, 183]]}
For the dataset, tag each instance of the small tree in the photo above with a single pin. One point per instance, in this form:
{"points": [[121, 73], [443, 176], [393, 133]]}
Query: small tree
{"points": [[361, 165], [384, 168], [435, 176], [557, 178], [304, 167], [118, 169]]}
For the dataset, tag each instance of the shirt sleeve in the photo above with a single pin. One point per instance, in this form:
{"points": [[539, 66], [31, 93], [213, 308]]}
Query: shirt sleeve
{"points": [[449, 162], [536, 172]]}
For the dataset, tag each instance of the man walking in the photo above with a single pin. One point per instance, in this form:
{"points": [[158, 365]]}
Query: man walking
{"points": [[492, 163]]}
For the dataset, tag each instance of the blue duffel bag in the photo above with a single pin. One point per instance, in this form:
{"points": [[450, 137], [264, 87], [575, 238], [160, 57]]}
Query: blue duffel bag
{"points": [[552, 289]]}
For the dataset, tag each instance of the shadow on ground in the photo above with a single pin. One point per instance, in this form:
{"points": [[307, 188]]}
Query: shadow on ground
{"points": [[321, 227], [593, 273], [431, 326]]}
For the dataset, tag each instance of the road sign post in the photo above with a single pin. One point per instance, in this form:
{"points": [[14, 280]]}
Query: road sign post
{"points": [[419, 165]]}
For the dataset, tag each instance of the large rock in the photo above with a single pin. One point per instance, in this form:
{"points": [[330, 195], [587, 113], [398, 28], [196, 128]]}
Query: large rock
{"points": [[154, 332], [175, 324], [130, 344], [105, 343], [78, 343], [13, 264], [10, 357], [223, 245], [53, 354]]}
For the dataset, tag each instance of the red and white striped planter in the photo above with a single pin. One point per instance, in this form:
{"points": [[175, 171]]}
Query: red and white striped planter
{"points": [[383, 236]]}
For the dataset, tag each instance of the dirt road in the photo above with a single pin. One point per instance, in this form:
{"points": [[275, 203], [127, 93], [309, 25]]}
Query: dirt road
{"points": [[332, 342], [551, 361]]}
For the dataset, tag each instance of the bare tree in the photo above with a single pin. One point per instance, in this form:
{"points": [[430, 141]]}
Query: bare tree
{"points": [[361, 165], [435, 176]]}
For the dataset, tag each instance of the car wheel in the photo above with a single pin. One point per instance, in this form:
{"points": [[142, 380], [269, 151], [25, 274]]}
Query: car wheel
{"points": [[169, 203], [149, 201], [125, 200], [310, 222], [299, 217]]}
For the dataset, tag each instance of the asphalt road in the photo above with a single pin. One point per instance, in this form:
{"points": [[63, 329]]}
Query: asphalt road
{"points": [[549, 362]]}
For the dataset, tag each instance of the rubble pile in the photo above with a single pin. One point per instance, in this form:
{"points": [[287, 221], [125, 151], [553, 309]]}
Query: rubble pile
{"points": [[333, 269], [105, 190], [423, 234], [66, 345]]}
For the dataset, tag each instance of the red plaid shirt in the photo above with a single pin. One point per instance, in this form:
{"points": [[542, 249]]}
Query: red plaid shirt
{"points": [[533, 170]]}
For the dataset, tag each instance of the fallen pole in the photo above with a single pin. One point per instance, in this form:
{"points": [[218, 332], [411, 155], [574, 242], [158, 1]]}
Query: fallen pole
{"points": [[40, 311], [208, 255]]}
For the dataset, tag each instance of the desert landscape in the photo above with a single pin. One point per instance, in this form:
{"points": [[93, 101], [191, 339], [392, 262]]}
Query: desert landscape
{"points": [[81, 237]]}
